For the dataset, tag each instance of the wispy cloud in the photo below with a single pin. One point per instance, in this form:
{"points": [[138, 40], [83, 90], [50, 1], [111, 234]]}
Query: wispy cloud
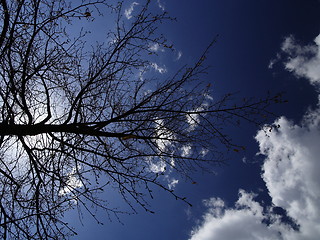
{"points": [[159, 69], [128, 11], [173, 183], [161, 5], [274, 61], [179, 55], [290, 172]]}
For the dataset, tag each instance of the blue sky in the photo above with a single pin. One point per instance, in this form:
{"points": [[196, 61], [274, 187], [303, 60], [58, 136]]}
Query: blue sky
{"points": [[263, 45]]}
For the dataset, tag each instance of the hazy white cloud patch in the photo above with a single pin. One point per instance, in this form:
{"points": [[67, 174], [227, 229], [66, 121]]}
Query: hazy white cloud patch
{"points": [[303, 61], [161, 5], [141, 74], [72, 183], [112, 40], [178, 55], [274, 61], [157, 167], [290, 172], [193, 118], [156, 47], [160, 166], [186, 151], [204, 152], [208, 96], [172, 183], [163, 143], [165, 136], [189, 213], [159, 69], [128, 11]]}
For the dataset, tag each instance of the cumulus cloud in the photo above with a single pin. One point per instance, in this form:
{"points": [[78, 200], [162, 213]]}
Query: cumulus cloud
{"points": [[290, 172], [243, 222], [128, 11], [303, 61]]}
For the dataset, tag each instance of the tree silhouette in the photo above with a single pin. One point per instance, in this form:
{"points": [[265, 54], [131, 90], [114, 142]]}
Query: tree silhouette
{"points": [[77, 119]]}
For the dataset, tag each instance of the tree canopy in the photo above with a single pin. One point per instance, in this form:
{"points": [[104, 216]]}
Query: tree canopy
{"points": [[78, 117]]}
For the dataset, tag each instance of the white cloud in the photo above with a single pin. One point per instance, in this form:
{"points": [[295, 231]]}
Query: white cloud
{"points": [[172, 183], [141, 73], [157, 167], [163, 142], [179, 55], [208, 96], [274, 61], [303, 61], [164, 136], [159, 69], [204, 152], [193, 119], [72, 183], [156, 47], [186, 151], [291, 186], [290, 171], [161, 5], [243, 222], [128, 11]]}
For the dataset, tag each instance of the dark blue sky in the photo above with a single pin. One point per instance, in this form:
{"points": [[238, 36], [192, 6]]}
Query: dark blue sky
{"points": [[251, 34]]}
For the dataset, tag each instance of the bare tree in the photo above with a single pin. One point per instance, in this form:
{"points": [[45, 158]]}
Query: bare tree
{"points": [[76, 119]]}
